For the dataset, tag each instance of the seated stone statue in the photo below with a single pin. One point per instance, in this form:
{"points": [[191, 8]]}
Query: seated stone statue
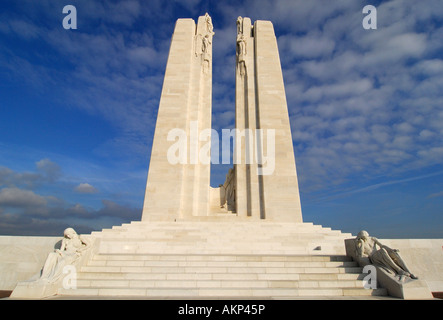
{"points": [[383, 256], [70, 251]]}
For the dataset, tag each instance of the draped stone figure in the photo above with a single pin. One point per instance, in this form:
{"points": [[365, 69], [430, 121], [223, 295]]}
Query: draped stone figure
{"points": [[209, 25], [229, 187], [239, 25], [381, 255], [70, 251], [241, 47], [203, 42]]}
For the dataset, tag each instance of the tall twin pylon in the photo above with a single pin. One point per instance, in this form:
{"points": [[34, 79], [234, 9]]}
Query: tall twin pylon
{"points": [[263, 183]]}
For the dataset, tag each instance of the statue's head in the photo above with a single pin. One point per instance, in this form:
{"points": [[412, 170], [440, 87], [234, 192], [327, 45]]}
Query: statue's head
{"points": [[69, 233], [363, 235]]}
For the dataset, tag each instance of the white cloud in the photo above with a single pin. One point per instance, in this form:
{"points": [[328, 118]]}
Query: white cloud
{"points": [[15, 197], [30, 212], [430, 67], [85, 188], [426, 134], [51, 169], [373, 103], [309, 46], [338, 90], [47, 171], [22, 28], [224, 119], [435, 195], [433, 155]]}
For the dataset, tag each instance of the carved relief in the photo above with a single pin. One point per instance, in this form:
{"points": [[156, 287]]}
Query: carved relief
{"points": [[209, 26], [241, 47], [203, 43], [239, 25], [229, 187]]}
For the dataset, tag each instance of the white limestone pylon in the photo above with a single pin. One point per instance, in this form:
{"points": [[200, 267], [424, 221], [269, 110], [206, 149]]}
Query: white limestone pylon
{"points": [[179, 190], [272, 194]]}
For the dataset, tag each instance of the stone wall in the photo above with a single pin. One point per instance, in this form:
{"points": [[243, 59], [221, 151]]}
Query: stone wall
{"points": [[424, 257], [23, 257]]}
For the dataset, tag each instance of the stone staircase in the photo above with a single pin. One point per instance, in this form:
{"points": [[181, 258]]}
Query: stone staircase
{"points": [[232, 276], [221, 235], [250, 259]]}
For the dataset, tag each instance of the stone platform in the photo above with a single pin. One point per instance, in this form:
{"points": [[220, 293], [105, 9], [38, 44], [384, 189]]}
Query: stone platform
{"points": [[220, 258]]}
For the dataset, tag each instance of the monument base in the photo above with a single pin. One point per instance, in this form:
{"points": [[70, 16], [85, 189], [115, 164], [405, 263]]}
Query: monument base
{"points": [[220, 257], [227, 257]]}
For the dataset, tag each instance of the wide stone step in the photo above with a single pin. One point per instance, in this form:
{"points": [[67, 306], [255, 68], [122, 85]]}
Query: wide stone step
{"points": [[266, 264], [169, 257], [218, 269], [229, 235], [169, 229], [292, 247], [218, 235], [220, 276], [202, 226], [222, 292], [191, 284]]}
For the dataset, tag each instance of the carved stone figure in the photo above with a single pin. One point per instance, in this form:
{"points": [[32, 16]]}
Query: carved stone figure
{"points": [[241, 47], [239, 25], [203, 43], [381, 255], [241, 53], [206, 44], [70, 251], [209, 26], [206, 48], [229, 187]]}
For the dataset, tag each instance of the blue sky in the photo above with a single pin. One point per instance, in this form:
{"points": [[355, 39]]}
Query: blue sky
{"points": [[78, 109]]}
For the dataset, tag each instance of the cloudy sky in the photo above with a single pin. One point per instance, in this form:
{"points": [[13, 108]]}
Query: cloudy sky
{"points": [[78, 109]]}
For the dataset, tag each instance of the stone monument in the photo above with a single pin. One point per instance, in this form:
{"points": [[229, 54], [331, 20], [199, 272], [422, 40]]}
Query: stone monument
{"points": [[245, 238], [181, 190]]}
